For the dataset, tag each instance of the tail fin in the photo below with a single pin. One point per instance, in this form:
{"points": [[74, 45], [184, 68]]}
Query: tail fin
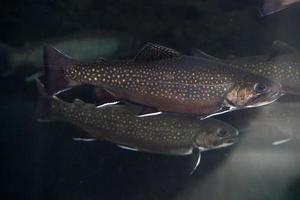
{"points": [[269, 7], [43, 105], [55, 65]]}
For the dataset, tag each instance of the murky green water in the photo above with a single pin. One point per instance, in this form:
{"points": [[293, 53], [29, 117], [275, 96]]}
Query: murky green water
{"points": [[42, 161]]}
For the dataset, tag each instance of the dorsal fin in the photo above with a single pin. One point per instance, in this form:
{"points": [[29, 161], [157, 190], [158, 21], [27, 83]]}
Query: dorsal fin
{"points": [[152, 52], [199, 53], [100, 60]]}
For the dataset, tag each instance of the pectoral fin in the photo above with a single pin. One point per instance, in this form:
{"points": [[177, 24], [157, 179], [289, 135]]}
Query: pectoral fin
{"points": [[223, 110], [197, 163], [127, 147]]}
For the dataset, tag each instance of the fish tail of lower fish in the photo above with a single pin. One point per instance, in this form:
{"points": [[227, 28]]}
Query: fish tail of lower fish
{"points": [[43, 105], [56, 63], [269, 7]]}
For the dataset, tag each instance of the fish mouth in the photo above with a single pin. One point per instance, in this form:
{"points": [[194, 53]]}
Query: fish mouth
{"points": [[264, 99], [230, 140]]}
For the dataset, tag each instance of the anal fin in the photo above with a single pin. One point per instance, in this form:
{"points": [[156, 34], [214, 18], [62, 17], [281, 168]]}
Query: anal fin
{"points": [[127, 147]]}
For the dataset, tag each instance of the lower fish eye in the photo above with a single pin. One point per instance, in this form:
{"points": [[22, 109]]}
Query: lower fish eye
{"points": [[260, 87]]}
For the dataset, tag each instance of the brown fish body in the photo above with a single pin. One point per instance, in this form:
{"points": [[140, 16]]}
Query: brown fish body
{"points": [[119, 126], [162, 87], [164, 79], [165, 134]]}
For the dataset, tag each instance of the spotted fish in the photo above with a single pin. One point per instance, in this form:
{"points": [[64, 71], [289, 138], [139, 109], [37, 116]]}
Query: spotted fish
{"points": [[281, 64], [171, 134], [284, 68], [163, 78]]}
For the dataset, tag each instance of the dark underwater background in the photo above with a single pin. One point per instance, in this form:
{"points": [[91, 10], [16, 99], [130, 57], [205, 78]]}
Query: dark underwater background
{"points": [[41, 161]]}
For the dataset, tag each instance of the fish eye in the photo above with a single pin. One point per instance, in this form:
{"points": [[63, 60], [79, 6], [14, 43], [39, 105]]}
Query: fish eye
{"points": [[260, 87], [221, 132]]}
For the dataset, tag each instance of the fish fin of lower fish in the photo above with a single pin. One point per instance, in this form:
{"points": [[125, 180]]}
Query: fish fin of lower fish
{"points": [[102, 95], [55, 65], [111, 92], [152, 52], [199, 53], [150, 114], [268, 7], [223, 110], [127, 147], [177, 152], [84, 139], [197, 162], [275, 143], [147, 110]]}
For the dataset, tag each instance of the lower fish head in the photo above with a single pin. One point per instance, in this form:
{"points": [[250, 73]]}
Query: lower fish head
{"points": [[216, 134], [253, 91]]}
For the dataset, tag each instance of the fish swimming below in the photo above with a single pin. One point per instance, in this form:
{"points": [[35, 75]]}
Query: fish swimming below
{"points": [[170, 134], [164, 79]]}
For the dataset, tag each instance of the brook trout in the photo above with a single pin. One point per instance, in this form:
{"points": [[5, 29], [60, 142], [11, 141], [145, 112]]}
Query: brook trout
{"points": [[282, 64], [282, 67], [171, 134], [163, 78]]}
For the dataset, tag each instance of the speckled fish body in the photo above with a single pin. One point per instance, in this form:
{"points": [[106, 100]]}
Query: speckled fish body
{"points": [[165, 134], [283, 68], [163, 78]]}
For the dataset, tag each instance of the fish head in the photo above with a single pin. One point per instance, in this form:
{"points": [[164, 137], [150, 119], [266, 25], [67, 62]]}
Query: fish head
{"points": [[216, 134], [253, 91]]}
